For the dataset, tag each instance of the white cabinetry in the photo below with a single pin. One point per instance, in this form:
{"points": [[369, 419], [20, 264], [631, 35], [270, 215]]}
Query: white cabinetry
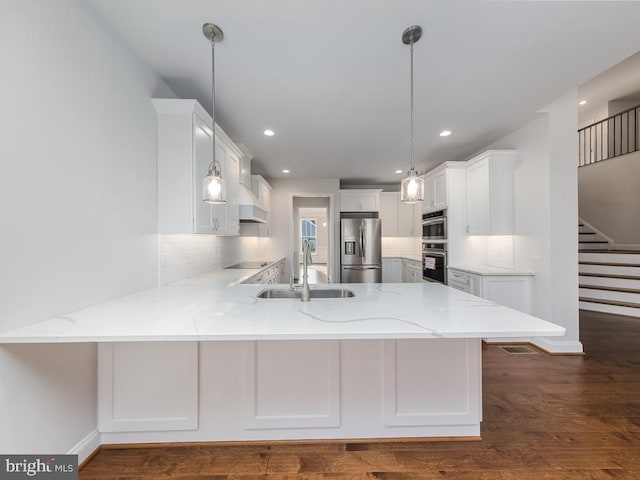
{"points": [[490, 193], [147, 386], [399, 219], [435, 190], [184, 143], [359, 200], [401, 270], [511, 290], [391, 270], [270, 275], [411, 271]]}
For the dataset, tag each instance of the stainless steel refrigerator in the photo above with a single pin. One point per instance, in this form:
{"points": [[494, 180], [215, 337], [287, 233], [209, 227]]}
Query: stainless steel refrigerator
{"points": [[361, 250]]}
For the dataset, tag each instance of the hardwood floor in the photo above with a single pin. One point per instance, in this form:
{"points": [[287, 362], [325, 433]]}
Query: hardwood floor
{"points": [[545, 417]]}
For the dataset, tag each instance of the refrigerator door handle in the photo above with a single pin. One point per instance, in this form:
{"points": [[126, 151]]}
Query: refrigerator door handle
{"points": [[361, 268], [362, 236]]}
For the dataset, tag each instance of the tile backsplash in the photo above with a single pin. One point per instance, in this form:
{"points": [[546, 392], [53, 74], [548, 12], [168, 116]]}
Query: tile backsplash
{"points": [[401, 246], [500, 251], [183, 256]]}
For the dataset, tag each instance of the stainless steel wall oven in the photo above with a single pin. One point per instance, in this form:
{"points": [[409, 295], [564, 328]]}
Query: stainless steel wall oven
{"points": [[434, 262], [434, 225]]}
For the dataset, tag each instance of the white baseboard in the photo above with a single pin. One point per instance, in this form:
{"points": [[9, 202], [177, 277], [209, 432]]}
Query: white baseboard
{"points": [[85, 447], [558, 346]]}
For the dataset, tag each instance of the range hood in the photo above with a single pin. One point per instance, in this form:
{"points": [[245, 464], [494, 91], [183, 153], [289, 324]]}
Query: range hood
{"points": [[250, 209]]}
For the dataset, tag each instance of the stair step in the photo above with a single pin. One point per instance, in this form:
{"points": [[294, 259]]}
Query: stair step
{"points": [[632, 284], [605, 301], [607, 275], [594, 241], [587, 233], [609, 294], [609, 270], [609, 256], [610, 289], [610, 309], [611, 264]]}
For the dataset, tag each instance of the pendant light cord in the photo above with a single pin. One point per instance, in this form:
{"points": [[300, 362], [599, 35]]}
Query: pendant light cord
{"points": [[213, 101], [412, 106]]}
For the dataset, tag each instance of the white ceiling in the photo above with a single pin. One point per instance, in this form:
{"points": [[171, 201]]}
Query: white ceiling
{"points": [[331, 77]]}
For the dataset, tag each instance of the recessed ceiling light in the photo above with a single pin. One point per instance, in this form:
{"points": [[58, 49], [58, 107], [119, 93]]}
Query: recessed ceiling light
{"points": [[445, 133], [269, 133], [285, 171], [582, 102], [398, 171]]}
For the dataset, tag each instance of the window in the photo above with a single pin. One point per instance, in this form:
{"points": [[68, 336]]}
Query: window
{"points": [[308, 233]]}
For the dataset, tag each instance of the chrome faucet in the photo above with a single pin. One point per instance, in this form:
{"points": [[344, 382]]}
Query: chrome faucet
{"points": [[306, 260]]}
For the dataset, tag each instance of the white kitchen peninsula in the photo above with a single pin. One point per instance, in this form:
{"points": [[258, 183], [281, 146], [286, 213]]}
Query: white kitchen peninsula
{"points": [[203, 361]]}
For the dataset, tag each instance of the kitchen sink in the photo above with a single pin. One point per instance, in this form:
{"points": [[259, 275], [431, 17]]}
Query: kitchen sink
{"points": [[313, 293]]}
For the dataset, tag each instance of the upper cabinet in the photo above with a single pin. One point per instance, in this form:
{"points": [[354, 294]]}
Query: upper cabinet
{"points": [[359, 200], [490, 193], [435, 190], [184, 147], [399, 219]]}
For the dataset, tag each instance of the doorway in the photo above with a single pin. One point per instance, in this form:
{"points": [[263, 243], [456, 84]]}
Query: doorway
{"points": [[312, 225]]}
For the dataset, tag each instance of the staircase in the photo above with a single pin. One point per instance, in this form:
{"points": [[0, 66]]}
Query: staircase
{"points": [[609, 279]]}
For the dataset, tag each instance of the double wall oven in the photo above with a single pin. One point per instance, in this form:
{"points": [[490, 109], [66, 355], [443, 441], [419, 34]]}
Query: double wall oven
{"points": [[434, 246]]}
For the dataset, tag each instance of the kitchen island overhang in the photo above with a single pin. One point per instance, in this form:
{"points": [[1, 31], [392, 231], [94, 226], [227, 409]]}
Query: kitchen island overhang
{"points": [[200, 361]]}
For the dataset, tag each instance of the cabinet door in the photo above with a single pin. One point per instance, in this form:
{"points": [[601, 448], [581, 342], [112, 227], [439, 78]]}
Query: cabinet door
{"points": [[417, 220], [440, 190], [478, 198], [349, 201], [202, 143], [369, 201], [386, 270], [389, 214], [429, 192], [233, 182], [405, 219], [220, 221]]}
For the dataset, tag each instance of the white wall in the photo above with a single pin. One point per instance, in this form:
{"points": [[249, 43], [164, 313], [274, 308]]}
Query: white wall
{"points": [[282, 242], [77, 202], [609, 198], [546, 212]]}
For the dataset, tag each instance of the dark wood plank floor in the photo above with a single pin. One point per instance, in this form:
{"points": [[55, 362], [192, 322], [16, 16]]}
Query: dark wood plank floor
{"points": [[545, 417]]}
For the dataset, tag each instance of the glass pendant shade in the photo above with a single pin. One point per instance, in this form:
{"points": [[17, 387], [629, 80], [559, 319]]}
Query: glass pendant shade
{"points": [[412, 187], [213, 187]]}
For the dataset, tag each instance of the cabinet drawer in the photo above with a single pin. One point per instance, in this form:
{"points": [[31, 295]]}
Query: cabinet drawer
{"points": [[460, 277], [462, 286]]}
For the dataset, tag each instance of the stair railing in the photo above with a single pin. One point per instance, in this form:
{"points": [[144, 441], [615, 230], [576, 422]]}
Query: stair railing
{"points": [[614, 136]]}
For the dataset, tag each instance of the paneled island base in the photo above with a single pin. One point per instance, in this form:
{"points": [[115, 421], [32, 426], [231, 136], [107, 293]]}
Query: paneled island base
{"points": [[288, 390]]}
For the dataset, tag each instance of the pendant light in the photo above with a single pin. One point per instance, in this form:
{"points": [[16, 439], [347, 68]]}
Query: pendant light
{"points": [[213, 183], [412, 186]]}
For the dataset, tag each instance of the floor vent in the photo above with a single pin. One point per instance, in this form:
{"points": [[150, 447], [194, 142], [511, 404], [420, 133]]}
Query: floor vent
{"points": [[518, 350]]}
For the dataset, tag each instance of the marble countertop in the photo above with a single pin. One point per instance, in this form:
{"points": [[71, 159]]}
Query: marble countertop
{"points": [[206, 308], [486, 270], [415, 258]]}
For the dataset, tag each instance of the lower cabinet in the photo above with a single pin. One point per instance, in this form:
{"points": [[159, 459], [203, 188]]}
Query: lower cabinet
{"points": [[288, 389], [512, 291], [147, 386], [271, 275], [401, 270], [411, 271], [391, 270]]}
